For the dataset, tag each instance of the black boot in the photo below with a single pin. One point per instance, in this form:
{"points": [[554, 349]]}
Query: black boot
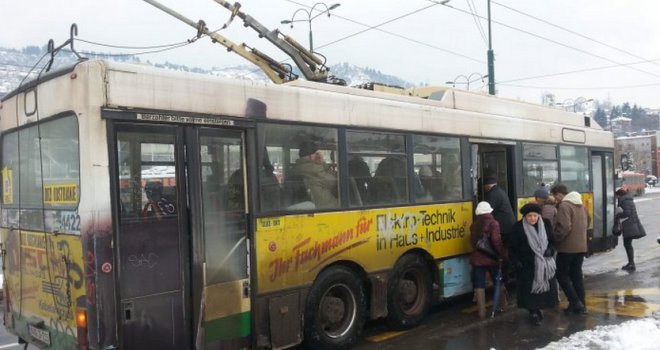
{"points": [[534, 317], [629, 267], [578, 309], [630, 253]]}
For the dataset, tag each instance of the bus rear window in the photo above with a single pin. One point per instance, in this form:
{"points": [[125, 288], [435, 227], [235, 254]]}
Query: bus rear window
{"points": [[43, 161]]}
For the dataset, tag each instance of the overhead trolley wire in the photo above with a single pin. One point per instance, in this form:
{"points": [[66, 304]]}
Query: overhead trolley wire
{"points": [[133, 47], [473, 10], [577, 34], [575, 71], [553, 41], [583, 87], [377, 27]]}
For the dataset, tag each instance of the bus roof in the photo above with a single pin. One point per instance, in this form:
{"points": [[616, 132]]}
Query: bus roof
{"points": [[446, 111]]}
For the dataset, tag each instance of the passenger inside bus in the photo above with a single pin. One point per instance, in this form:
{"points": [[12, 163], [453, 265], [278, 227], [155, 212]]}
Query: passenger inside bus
{"points": [[360, 175], [270, 186], [317, 176], [431, 183], [389, 184], [451, 177], [233, 196]]}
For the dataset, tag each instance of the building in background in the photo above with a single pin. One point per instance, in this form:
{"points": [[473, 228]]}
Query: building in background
{"points": [[638, 153]]}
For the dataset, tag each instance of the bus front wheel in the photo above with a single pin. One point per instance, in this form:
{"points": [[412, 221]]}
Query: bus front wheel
{"points": [[335, 310], [409, 292]]}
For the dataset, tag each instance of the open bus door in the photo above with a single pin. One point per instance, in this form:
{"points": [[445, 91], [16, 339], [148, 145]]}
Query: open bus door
{"points": [[181, 237], [602, 173], [493, 160]]}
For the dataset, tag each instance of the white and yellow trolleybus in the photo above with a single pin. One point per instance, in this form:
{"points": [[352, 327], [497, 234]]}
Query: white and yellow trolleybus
{"points": [[150, 209]]}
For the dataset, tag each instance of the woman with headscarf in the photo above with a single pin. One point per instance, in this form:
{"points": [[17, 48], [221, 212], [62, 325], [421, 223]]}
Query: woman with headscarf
{"points": [[532, 253]]}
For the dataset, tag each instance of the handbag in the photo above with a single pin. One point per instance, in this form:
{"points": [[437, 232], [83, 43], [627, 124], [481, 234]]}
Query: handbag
{"points": [[486, 247], [617, 230], [642, 231]]}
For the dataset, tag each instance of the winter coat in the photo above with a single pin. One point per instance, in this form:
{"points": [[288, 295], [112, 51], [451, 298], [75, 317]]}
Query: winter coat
{"points": [[502, 211], [485, 224], [522, 260], [630, 224], [570, 225], [548, 211], [320, 181]]}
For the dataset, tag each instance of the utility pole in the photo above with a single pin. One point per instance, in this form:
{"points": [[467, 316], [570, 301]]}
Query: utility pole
{"points": [[491, 59]]}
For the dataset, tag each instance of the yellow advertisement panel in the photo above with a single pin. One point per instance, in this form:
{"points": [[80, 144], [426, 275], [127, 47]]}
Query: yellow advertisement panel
{"points": [[291, 250], [61, 194], [7, 186], [44, 276]]}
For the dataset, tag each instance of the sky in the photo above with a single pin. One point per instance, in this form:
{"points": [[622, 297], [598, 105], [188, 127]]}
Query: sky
{"points": [[606, 50]]}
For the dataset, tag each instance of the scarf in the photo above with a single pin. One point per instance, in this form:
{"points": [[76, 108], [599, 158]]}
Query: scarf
{"points": [[544, 267]]}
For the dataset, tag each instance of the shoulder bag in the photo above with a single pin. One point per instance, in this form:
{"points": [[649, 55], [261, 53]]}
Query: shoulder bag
{"points": [[486, 247]]}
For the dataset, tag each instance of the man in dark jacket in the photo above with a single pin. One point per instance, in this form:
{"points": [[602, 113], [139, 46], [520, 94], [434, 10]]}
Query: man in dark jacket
{"points": [[499, 201], [570, 233]]}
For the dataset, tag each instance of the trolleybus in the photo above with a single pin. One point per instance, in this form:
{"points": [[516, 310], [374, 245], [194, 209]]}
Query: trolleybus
{"points": [[150, 209]]}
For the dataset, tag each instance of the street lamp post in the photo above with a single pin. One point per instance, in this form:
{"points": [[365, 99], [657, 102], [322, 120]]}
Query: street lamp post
{"points": [[491, 59], [310, 18], [468, 79]]}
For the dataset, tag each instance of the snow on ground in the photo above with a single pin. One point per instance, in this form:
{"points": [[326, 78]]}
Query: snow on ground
{"points": [[643, 334]]}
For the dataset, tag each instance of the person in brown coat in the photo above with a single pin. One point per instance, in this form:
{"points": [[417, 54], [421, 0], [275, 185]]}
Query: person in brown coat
{"points": [[570, 234], [484, 224]]}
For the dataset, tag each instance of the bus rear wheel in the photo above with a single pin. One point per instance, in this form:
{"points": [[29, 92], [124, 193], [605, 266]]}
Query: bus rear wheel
{"points": [[409, 292], [335, 310]]}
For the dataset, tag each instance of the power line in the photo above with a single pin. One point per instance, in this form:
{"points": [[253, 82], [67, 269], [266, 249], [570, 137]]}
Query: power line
{"points": [[554, 41], [582, 87], [134, 53], [576, 71], [576, 33], [473, 10], [376, 27], [131, 47]]}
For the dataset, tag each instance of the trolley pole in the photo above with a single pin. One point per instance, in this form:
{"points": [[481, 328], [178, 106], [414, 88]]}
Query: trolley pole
{"points": [[491, 59]]}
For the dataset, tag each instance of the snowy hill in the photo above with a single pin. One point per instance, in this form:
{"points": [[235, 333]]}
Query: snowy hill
{"points": [[15, 65]]}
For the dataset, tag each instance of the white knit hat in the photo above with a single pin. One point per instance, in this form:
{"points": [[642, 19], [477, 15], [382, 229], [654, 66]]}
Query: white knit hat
{"points": [[483, 208]]}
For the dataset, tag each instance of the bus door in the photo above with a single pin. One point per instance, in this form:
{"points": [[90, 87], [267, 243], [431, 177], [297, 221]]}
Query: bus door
{"points": [[493, 160], [181, 237], [602, 173]]}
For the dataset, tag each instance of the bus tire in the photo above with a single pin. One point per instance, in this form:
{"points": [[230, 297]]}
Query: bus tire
{"points": [[409, 292], [335, 311]]}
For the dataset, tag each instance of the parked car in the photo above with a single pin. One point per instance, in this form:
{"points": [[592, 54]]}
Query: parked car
{"points": [[651, 180]]}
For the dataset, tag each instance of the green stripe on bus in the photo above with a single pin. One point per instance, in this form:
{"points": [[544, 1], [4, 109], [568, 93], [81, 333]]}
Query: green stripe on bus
{"points": [[230, 327]]}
